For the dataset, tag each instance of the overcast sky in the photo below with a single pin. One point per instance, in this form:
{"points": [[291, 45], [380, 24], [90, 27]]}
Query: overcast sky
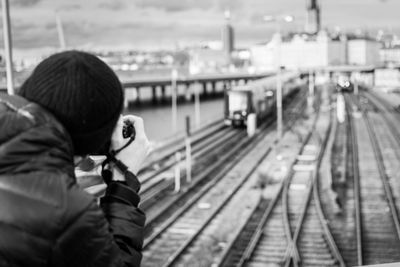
{"points": [[151, 24]]}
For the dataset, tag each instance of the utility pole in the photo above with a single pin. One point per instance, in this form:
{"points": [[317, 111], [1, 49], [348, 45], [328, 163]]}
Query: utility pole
{"points": [[278, 61], [174, 95], [357, 76], [60, 30], [177, 173], [197, 104], [188, 148], [279, 90], [8, 46]]}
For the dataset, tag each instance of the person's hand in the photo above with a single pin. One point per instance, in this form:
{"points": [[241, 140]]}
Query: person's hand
{"points": [[134, 154]]}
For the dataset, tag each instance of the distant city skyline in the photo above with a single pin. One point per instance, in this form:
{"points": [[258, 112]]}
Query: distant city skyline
{"points": [[157, 24]]}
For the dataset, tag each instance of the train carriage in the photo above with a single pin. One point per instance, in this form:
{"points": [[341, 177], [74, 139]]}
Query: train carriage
{"points": [[256, 97]]}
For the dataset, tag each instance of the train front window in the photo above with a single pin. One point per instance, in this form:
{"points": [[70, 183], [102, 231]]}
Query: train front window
{"points": [[237, 101]]}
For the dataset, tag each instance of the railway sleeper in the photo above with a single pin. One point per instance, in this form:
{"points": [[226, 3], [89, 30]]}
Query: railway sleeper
{"points": [[262, 257], [383, 250], [326, 255], [266, 264], [379, 233], [311, 245], [270, 253], [282, 246], [315, 250], [318, 262], [313, 232], [274, 234], [312, 240], [274, 227], [311, 223], [381, 244]]}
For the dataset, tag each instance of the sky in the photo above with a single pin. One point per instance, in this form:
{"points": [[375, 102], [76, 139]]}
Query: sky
{"points": [[155, 24]]}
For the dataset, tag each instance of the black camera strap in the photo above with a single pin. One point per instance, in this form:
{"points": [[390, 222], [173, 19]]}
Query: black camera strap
{"points": [[115, 152], [107, 174]]}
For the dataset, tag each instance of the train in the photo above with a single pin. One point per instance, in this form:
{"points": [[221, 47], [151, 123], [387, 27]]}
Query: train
{"points": [[257, 97], [343, 82]]}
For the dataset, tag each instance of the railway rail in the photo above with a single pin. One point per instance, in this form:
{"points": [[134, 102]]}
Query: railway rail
{"points": [[292, 230], [171, 239], [377, 221], [389, 114], [207, 175], [209, 154], [337, 190]]}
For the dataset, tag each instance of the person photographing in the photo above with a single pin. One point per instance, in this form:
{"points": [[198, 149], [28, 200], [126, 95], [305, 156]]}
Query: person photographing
{"points": [[69, 107]]}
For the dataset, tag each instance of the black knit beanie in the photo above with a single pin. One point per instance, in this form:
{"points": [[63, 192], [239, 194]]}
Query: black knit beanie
{"points": [[82, 92]]}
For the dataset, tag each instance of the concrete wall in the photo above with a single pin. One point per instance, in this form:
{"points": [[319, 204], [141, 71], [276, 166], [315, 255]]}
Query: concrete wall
{"points": [[263, 57], [390, 55], [337, 53], [363, 52], [387, 78], [373, 53]]}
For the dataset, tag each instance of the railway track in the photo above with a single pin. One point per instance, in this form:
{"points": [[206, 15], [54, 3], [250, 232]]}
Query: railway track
{"points": [[207, 175], [337, 193], [389, 114], [157, 175], [292, 230], [165, 150], [209, 155], [171, 239], [389, 141], [377, 222], [199, 148], [174, 204], [161, 248]]}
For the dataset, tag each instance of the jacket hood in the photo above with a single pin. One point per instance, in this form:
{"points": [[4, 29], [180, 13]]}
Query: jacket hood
{"points": [[31, 139]]}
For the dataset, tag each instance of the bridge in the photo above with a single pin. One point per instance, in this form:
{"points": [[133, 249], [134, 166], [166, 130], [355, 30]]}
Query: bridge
{"points": [[341, 69], [157, 90], [161, 88], [213, 84]]}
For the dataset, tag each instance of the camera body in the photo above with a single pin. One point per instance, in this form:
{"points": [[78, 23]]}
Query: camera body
{"points": [[128, 131]]}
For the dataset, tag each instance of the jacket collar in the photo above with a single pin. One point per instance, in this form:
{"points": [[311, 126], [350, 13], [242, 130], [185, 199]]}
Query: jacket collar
{"points": [[31, 139]]}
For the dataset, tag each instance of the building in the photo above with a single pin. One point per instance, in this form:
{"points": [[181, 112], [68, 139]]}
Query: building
{"points": [[390, 55], [313, 19], [363, 52], [215, 56], [313, 51], [206, 60], [228, 37], [299, 52], [387, 79], [262, 56]]}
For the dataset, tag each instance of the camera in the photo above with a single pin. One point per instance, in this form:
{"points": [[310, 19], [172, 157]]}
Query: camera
{"points": [[128, 131]]}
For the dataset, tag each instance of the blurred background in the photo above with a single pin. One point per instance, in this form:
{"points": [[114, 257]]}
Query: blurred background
{"points": [[147, 39]]}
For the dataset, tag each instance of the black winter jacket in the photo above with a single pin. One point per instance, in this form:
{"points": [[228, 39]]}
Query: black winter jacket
{"points": [[45, 218]]}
